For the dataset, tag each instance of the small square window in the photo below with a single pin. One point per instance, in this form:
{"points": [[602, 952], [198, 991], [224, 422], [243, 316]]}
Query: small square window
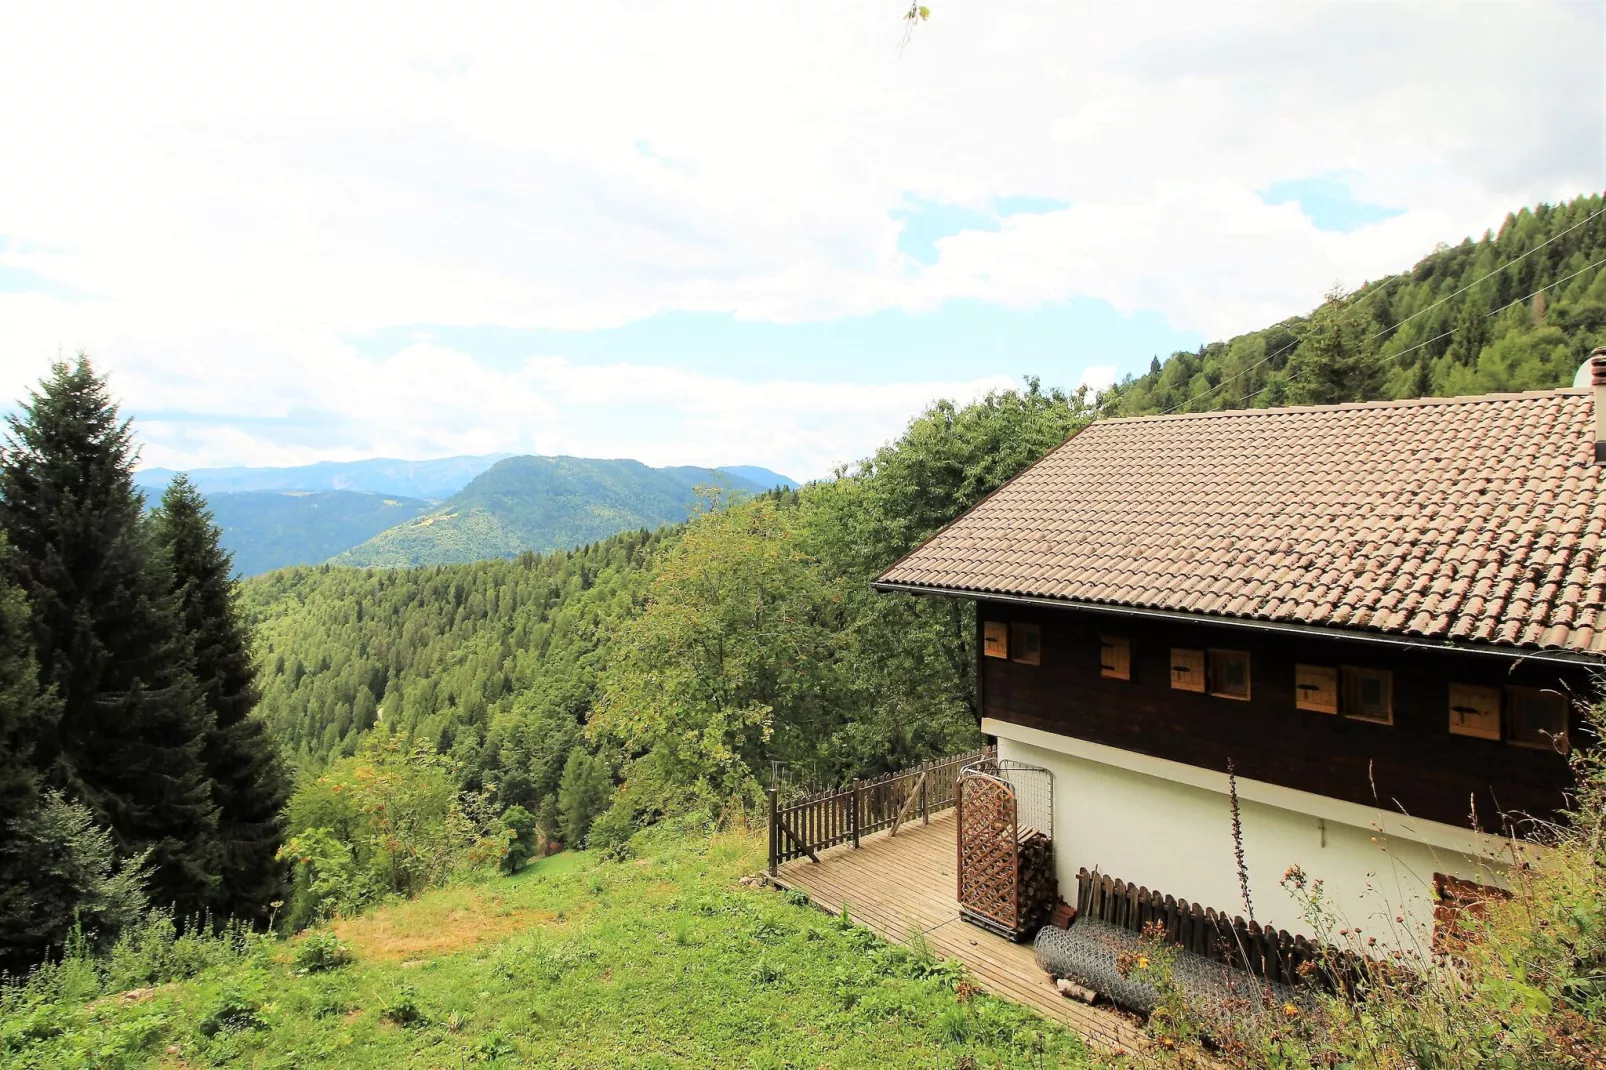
{"points": [[1115, 657], [1369, 694], [1187, 669], [995, 639], [1475, 711], [1229, 674], [1025, 644], [1538, 718]]}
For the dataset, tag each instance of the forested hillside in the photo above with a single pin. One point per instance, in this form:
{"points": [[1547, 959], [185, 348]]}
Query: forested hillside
{"points": [[681, 662], [1518, 309], [543, 504], [433, 652], [269, 529]]}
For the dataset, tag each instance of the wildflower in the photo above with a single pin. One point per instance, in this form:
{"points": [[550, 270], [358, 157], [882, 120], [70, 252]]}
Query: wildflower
{"points": [[1290, 1010], [1143, 962]]}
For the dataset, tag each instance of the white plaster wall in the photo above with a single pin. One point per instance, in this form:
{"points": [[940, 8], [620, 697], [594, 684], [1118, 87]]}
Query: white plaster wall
{"points": [[1177, 838]]}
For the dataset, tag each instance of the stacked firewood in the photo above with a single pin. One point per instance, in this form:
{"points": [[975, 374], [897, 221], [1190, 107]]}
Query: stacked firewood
{"points": [[1038, 891]]}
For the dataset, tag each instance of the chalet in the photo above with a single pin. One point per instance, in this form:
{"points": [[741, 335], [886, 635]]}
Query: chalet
{"points": [[1382, 617]]}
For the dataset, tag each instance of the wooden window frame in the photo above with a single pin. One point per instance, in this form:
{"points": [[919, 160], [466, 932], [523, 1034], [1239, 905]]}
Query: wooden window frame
{"points": [[1349, 677], [1513, 691], [1455, 709], [1025, 644], [1303, 702], [1113, 669], [1211, 675], [995, 639], [1191, 653]]}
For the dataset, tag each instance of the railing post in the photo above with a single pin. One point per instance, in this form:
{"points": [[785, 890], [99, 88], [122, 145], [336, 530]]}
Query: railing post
{"points": [[925, 788], [854, 823], [774, 832]]}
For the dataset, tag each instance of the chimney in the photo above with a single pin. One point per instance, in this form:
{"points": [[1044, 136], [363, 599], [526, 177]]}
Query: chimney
{"points": [[1597, 379]]}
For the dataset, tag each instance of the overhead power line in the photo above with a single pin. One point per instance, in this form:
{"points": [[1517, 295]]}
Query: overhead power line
{"points": [[1420, 312], [1446, 334]]}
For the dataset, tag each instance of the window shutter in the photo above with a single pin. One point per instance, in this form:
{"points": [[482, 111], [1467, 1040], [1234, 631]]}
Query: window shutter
{"points": [[1475, 711], [995, 639], [1187, 669], [1316, 688], [1115, 657]]}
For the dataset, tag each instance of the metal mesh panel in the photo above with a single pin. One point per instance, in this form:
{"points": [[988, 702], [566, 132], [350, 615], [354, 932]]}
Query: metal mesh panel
{"points": [[1088, 953], [1006, 859]]}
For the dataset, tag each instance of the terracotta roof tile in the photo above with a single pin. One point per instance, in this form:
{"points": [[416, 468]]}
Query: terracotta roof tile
{"points": [[1476, 519]]}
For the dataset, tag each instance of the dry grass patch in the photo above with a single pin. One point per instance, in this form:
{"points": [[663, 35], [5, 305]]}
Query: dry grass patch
{"points": [[438, 925]]}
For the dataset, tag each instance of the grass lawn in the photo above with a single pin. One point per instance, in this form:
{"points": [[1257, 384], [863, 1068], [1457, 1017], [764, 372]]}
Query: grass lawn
{"points": [[659, 961]]}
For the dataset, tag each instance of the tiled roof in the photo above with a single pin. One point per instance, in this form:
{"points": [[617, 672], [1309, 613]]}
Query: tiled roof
{"points": [[1479, 520]]}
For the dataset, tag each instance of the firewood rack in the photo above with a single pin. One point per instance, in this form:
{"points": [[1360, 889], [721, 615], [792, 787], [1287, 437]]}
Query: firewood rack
{"points": [[1006, 846]]}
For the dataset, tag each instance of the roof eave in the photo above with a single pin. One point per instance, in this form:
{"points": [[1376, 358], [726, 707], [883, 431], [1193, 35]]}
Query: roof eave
{"points": [[1510, 653]]}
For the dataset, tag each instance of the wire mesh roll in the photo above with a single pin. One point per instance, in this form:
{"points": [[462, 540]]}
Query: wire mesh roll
{"points": [[1089, 952]]}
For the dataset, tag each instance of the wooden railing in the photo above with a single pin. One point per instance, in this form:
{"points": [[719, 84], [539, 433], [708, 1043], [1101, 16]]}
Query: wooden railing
{"points": [[803, 828], [1262, 950]]}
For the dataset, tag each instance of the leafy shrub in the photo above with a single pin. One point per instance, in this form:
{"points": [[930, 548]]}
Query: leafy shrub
{"points": [[521, 838], [953, 1025], [766, 972], [389, 821], [321, 950], [232, 1012], [612, 829], [491, 1048], [402, 1007], [331, 1001], [70, 874]]}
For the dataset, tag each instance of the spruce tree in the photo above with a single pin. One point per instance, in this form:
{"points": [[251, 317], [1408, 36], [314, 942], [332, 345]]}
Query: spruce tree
{"points": [[249, 784], [25, 716], [107, 634]]}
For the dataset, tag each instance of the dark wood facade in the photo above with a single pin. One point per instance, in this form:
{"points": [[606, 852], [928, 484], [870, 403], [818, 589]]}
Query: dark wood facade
{"points": [[1414, 765]]}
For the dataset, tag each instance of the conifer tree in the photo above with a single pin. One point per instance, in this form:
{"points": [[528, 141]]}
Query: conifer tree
{"points": [[107, 633], [25, 715], [249, 784]]}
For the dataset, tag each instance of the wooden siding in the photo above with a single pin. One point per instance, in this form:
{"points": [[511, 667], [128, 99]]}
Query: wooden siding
{"points": [[1415, 765]]}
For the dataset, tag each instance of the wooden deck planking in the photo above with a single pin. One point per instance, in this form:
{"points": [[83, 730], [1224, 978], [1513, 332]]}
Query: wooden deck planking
{"points": [[896, 884]]}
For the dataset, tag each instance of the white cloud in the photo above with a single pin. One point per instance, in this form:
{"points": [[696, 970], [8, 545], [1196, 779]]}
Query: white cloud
{"points": [[327, 402], [235, 189]]}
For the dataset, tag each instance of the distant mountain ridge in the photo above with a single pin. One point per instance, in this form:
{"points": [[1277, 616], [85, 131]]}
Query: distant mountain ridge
{"points": [[433, 479], [549, 503], [269, 529], [277, 517]]}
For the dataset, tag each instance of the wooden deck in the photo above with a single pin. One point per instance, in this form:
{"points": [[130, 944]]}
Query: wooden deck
{"points": [[895, 885]]}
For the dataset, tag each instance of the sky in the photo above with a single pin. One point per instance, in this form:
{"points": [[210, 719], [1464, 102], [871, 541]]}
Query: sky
{"points": [[725, 233]]}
